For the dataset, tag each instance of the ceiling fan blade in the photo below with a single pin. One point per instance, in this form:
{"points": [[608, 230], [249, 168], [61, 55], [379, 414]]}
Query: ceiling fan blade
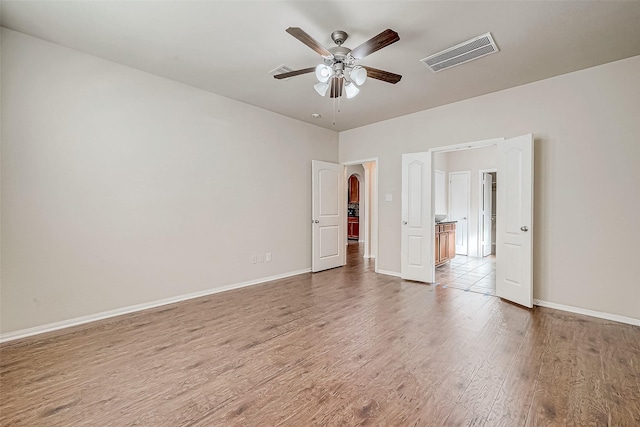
{"points": [[375, 43], [309, 41], [294, 73], [385, 76], [336, 87]]}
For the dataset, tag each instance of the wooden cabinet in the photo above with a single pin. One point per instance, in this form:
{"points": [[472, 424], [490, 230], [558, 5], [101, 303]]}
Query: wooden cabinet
{"points": [[353, 227], [354, 190], [445, 243]]}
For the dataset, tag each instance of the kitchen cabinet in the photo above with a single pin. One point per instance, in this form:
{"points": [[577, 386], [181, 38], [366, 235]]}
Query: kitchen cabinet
{"points": [[353, 227], [445, 243], [354, 190]]}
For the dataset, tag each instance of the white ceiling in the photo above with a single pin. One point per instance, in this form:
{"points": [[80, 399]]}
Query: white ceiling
{"points": [[229, 47]]}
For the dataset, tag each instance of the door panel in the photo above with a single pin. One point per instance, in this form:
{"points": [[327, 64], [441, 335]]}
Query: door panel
{"points": [[487, 185], [328, 217], [416, 255], [514, 249], [459, 210]]}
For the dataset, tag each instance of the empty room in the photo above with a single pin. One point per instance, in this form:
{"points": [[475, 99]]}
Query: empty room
{"points": [[318, 213]]}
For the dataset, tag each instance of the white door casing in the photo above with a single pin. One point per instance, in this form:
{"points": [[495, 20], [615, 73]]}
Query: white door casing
{"points": [[514, 248], [459, 201], [487, 183], [417, 261], [328, 218]]}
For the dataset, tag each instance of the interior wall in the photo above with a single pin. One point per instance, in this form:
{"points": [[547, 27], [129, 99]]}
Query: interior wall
{"points": [[120, 187], [472, 160], [586, 131]]}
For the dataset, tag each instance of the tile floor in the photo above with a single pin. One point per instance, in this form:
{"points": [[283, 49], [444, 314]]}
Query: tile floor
{"points": [[473, 274]]}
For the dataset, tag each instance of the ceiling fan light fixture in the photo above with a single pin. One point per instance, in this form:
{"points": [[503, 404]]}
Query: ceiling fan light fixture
{"points": [[358, 75], [323, 73], [321, 88], [351, 90]]}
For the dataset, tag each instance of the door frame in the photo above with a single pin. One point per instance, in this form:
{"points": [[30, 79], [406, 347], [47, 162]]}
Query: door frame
{"points": [[468, 174], [481, 171], [370, 200]]}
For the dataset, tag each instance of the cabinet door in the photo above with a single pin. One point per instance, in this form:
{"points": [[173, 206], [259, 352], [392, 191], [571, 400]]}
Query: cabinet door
{"points": [[356, 230], [437, 247], [444, 247], [354, 190], [451, 252]]}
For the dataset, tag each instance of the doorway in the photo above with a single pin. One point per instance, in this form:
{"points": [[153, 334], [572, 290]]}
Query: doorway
{"points": [[513, 256], [353, 205], [468, 205], [361, 208]]}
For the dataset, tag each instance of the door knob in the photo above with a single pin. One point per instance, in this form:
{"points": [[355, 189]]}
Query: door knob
{"points": [[524, 228], [314, 221], [404, 222], [464, 218]]}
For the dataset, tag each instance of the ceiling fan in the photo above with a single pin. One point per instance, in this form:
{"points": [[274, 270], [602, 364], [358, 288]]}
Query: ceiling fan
{"points": [[339, 70]]}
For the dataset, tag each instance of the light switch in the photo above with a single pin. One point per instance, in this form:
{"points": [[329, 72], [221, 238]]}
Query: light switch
{"points": [[388, 197]]}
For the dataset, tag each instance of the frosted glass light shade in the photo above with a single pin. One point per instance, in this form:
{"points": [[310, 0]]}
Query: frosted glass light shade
{"points": [[321, 88], [323, 73], [351, 90], [358, 75]]}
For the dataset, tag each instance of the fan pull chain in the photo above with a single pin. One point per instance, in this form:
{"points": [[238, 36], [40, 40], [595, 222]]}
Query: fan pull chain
{"points": [[334, 111]]}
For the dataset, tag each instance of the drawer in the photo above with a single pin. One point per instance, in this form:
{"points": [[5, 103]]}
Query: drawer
{"points": [[449, 227]]}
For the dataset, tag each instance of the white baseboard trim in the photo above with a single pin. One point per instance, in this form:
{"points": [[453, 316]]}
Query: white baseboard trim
{"points": [[389, 273], [592, 313], [36, 330]]}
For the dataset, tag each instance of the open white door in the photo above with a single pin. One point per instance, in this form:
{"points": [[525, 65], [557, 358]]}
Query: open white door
{"points": [[459, 201], [514, 261], [417, 226], [487, 184], [328, 217]]}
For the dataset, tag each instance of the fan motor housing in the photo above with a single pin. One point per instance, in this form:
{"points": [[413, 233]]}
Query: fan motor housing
{"points": [[339, 37]]}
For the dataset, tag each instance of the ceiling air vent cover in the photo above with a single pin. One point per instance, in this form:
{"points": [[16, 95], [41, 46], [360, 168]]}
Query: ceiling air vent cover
{"points": [[461, 53], [281, 70]]}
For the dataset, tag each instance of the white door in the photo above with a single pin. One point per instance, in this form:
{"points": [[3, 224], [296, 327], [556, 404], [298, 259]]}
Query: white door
{"points": [[485, 219], [459, 208], [514, 261], [327, 207], [417, 226]]}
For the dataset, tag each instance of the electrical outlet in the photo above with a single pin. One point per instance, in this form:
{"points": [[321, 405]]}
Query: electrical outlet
{"points": [[254, 259], [267, 257], [261, 257]]}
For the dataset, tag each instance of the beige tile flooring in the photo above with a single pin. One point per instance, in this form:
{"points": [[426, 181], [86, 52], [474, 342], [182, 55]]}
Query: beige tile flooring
{"points": [[472, 274]]}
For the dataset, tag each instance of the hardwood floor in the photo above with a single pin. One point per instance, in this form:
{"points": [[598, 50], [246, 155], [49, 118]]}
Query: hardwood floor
{"points": [[341, 347]]}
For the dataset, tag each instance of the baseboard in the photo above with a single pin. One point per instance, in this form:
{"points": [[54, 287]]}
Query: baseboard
{"points": [[592, 313], [10, 336], [389, 273]]}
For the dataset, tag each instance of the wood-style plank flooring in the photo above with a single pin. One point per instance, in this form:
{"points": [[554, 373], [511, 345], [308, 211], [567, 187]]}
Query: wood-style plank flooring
{"points": [[341, 347]]}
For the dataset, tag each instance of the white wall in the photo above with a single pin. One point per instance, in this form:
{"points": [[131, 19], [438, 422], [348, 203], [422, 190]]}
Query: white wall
{"points": [[472, 161], [120, 187], [587, 152]]}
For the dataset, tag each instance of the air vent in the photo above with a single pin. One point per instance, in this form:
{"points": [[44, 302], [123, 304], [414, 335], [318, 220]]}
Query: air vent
{"points": [[459, 54], [281, 70]]}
